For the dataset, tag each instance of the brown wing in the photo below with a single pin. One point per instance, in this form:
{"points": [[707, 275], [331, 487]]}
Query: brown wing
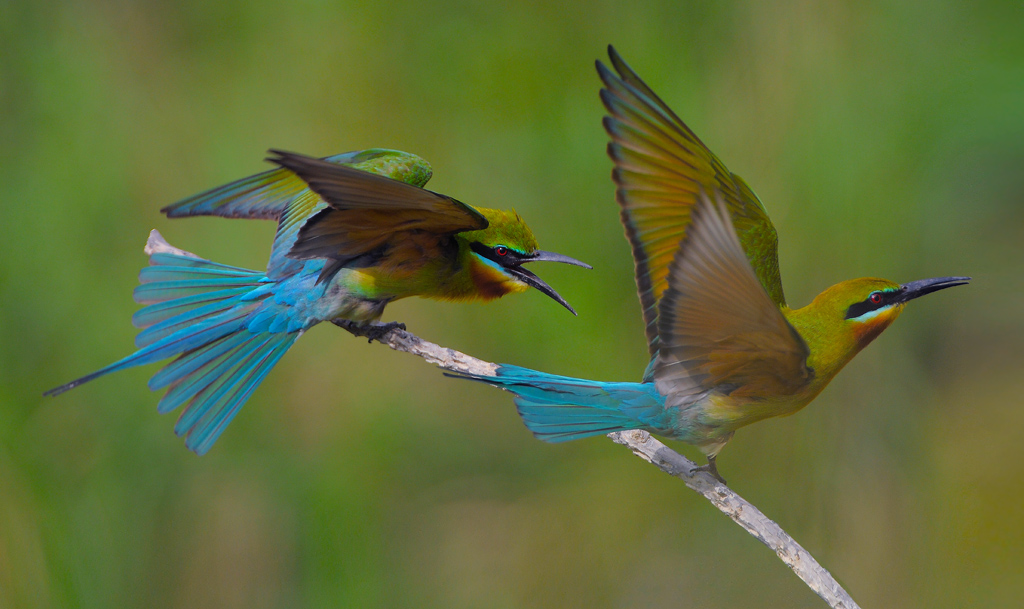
{"points": [[366, 211], [660, 166], [269, 194], [719, 328]]}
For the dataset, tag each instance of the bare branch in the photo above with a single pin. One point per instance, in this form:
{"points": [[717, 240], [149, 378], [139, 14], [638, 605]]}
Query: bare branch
{"points": [[740, 510], [156, 244], [667, 460]]}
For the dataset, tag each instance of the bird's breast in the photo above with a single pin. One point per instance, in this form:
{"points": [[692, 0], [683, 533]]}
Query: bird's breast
{"points": [[710, 419]]}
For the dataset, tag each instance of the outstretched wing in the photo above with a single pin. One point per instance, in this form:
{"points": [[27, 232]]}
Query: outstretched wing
{"points": [[719, 328], [660, 167], [393, 164], [263, 196], [367, 212]]}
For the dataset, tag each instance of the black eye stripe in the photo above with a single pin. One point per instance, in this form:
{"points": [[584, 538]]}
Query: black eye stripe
{"points": [[511, 257], [867, 305]]}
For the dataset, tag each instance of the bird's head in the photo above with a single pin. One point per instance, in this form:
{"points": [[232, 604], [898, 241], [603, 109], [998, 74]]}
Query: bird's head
{"points": [[843, 319], [500, 251]]}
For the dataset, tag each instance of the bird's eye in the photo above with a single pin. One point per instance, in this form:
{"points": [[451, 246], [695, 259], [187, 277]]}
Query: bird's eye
{"points": [[501, 250], [876, 298]]}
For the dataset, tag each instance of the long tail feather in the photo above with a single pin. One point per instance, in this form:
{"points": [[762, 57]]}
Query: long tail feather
{"points": [[188, 363], [560, 408], [203, 312], [230, 308], [192, 302], [158, 312], [210, 412]]}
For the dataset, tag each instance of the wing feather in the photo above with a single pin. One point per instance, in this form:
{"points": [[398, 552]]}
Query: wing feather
{"points": [[264, 196], [366, 212], [720, 330], [661, 166]]}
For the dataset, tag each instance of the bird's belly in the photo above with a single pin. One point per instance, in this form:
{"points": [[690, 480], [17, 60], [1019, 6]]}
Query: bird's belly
{"points": [[343, 297], [355, 309], [710, 421], [346, 297]]}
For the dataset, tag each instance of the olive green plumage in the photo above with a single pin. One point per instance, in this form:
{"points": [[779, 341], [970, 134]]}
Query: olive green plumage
{"points": [[504, 227], [727, 350], [356, 231]]}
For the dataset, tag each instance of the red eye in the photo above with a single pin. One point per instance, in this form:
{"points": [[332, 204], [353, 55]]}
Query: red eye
{"points": [[501, 250], [876, 298]]}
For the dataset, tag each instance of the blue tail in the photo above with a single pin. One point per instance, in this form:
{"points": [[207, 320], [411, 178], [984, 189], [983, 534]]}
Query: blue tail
{"points": [[561, 408], [200, 311]]}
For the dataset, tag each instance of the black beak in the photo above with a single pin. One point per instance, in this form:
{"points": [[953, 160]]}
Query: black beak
{"points": [[542, 256], [914, 289], [511, 262], [534, 281]]}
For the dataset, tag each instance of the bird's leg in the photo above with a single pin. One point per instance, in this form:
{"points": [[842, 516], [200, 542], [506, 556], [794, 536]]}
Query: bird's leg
{"points": [[372, 331], [710, 468]]}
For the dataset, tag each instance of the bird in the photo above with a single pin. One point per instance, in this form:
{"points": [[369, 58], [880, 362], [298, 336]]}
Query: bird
{"points": [[726, 350], [356, 231]]}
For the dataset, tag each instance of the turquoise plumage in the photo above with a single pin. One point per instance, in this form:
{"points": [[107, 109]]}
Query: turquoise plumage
{"points": [[347, 226], [227, 326], [561, 408]]}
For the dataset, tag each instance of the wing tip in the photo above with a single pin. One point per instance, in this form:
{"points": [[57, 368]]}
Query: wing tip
{"points": [[284, 158]]}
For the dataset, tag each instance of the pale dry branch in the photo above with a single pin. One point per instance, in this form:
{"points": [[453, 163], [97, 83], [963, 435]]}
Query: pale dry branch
{"points": [[667, 460]]}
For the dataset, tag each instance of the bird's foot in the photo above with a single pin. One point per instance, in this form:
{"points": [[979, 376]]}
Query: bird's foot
{"points": [[710, 468], [372, 331]]}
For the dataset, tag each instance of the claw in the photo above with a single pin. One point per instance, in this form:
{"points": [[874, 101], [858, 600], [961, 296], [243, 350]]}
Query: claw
{"points": [[372, 331], [376, 331], [710, 468]]}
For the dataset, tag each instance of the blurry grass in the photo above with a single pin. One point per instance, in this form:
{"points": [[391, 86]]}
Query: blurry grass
{"points": [[883, 139]]}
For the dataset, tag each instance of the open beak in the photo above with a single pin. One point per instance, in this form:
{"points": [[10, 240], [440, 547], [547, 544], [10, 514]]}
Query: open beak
{"points": [[534, 281], [542, 256], [914, 289]]}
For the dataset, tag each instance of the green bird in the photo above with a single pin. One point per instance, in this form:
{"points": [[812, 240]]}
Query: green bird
{"points": [[356, 231], [726, 350]]}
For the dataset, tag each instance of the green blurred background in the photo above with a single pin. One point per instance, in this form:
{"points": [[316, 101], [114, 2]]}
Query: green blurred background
{"points": [[885, 139]]}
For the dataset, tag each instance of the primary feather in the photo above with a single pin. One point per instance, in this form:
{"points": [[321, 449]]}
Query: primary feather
{"points": [[726, 349], [661, 167]]}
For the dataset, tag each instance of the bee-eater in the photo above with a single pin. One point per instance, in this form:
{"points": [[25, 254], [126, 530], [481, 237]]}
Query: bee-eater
{"points": [[355, 232], [726, 350]]}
